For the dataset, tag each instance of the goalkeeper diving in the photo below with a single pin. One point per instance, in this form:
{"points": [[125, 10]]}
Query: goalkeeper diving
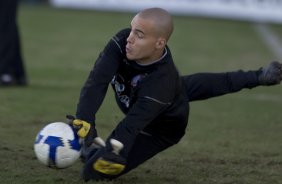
{"points": [[149, 90]]}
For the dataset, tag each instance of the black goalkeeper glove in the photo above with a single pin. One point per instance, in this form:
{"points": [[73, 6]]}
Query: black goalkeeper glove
{"points": [[111, 163], [270, 74], [86, 131]]}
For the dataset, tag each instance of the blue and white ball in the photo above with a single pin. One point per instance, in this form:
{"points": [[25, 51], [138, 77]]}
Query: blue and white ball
{"points": [[57, 145]]}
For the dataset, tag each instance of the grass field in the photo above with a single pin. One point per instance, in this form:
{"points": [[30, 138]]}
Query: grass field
{"points": [[234, 139]]}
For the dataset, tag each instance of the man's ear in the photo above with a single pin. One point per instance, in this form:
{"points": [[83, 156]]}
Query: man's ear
{"points": [[161, 43]]}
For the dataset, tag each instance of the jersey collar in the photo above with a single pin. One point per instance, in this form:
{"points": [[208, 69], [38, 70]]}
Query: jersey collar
{"points": [[158, 60]]}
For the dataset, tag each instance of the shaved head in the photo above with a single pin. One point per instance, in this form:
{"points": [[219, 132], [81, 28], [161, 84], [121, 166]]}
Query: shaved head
{"points": [[162, 20], [150, 32]]}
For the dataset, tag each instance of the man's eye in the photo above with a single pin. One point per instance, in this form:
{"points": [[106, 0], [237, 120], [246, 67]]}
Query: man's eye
{"points": [[140, 35]]}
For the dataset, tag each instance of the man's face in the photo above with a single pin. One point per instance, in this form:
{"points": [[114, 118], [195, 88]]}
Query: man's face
{"points": [[142, 41]]}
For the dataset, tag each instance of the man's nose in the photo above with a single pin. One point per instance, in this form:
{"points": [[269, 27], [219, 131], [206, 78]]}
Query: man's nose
{"points": [[130, 38]]}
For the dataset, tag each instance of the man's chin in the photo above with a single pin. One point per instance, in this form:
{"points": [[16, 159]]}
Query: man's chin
{"points": [[130, 57]]}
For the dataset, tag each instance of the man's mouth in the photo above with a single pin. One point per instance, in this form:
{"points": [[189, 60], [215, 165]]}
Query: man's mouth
{"points": [[128, 49]]}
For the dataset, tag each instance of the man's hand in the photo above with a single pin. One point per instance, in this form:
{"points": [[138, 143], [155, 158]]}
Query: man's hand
{"points": [[270, 74], [86, 131], [111, 163]]}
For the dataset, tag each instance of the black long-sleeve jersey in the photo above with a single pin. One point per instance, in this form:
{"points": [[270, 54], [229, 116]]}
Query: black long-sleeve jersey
{"points": [[153, 97], [144, 93]]}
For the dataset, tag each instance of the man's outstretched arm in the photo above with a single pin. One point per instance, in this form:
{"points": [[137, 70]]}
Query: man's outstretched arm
{"points": [[206, 85]]}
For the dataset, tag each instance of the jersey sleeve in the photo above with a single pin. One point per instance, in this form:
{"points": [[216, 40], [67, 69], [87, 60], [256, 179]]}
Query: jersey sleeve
{"points": [[152, 100], [94, 90], [143, 112]]}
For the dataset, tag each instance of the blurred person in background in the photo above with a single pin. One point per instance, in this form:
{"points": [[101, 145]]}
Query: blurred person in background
{"points": [[12, 72]]}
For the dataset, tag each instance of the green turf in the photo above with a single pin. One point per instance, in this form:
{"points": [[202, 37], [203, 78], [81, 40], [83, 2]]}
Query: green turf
{"points": [[278, 29], [232, 139]]}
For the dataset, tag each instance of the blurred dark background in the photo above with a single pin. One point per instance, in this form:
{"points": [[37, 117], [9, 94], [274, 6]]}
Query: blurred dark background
{"points": [[34, 1]]}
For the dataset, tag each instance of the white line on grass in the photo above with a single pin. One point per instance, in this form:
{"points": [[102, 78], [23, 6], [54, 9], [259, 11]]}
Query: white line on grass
{"points": [[270, 39]]}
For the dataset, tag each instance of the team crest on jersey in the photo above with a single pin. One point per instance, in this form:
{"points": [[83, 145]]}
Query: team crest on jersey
{"points": [[121, 90], [125, 88], [135, 80]]}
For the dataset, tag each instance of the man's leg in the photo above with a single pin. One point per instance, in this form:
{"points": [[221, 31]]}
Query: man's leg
{"points": [[145, 147], [202, 86], [11, 64]]}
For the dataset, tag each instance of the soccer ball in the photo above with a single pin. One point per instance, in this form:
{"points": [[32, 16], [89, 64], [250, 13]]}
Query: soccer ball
{"points": [[57, 145]]}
